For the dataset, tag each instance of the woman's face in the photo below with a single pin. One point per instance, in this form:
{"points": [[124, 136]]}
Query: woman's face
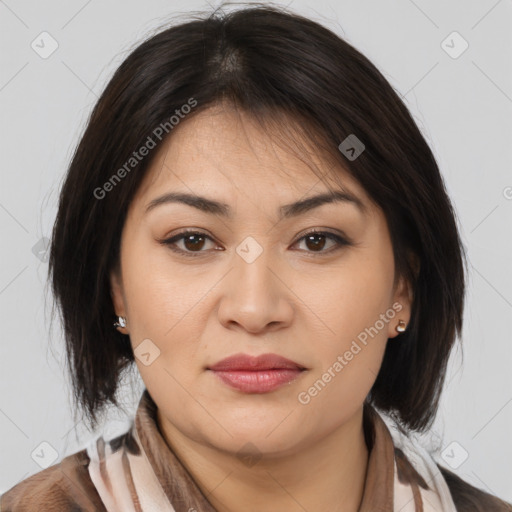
{"points": [[254, 282]]}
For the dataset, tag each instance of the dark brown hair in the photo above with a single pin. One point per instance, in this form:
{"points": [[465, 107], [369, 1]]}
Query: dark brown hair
{"points": [[280, 68], [288, 72]]}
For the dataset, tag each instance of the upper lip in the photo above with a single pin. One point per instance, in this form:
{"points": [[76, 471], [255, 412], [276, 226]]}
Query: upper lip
{"points": [[241, 362]]}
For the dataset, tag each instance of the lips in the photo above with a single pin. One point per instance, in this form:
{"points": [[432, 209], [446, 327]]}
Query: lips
{"points": [[260, 374], [239, 362]]}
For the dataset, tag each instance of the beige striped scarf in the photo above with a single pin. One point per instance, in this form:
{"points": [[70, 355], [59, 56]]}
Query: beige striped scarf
{"points": [[138, 472]]}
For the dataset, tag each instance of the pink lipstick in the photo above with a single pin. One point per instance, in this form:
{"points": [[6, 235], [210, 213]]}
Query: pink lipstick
{"points": [[260, 374]]}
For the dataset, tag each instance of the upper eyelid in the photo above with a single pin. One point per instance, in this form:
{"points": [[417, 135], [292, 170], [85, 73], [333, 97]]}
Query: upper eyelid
{"points": [[321, 231]]}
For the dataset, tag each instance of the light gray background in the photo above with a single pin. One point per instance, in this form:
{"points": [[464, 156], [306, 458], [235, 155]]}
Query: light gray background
{"points": [[462, 105]]}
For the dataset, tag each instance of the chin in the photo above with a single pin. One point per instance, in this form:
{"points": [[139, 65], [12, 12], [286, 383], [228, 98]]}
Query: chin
{"points": [[255, 444], [269, 433]]}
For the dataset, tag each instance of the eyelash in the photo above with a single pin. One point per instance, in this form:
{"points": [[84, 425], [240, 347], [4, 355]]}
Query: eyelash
{"points": [[340, 241]]}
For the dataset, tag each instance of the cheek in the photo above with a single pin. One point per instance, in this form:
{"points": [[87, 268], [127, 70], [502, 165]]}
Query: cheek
{"points": [[354, 312], [161, 335], [160, 295], [348, 364], [351, 297]]}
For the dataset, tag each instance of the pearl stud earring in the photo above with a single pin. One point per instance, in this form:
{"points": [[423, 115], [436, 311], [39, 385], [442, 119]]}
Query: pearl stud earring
{"points": [[401, 326]]}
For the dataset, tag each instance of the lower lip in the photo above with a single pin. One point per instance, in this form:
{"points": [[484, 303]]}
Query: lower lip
{"points": [[261, 381]]}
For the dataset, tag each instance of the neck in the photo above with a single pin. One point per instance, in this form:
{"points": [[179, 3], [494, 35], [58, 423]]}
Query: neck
{"points": [[328, 474]]}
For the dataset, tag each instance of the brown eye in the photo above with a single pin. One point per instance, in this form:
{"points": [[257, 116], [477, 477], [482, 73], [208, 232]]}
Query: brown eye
{"points": [[316, 241], [193, 243]]}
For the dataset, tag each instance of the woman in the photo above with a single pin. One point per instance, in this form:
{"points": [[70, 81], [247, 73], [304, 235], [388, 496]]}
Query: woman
{"points": [[254, 219]]}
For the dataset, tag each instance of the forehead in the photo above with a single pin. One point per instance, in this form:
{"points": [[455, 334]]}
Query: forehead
{"points": [[224, 150]]}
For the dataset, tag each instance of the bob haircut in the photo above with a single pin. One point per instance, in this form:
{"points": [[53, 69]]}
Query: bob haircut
{"points": [[291, 73]]}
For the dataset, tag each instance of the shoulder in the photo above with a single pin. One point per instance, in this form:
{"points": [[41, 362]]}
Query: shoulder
{"points": [[65, 486], [470, 499]]}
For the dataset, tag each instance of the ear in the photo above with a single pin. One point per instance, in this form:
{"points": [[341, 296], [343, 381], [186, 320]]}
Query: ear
{"points": [[401, 304], [117, 294]]}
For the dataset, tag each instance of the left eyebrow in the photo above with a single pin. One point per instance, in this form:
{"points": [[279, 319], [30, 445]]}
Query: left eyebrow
{"points": [[295, 209]]}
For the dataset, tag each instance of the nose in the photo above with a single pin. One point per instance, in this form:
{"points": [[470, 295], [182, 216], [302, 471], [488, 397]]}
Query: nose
{"points": [[255, 297]]}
